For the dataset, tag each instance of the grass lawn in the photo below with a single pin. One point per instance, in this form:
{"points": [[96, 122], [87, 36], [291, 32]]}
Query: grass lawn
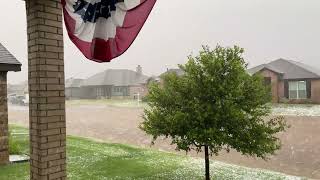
{"points": [[91, 160], [277, 109], [296, 109]]}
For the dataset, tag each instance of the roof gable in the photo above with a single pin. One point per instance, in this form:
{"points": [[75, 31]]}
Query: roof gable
{"points": [[116, 77], [7, 61], [289, 69], [178, 72]]}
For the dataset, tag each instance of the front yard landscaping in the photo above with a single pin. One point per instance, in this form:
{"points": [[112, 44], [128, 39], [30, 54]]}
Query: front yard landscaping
{"points": [[277, 109], [89, 159]]}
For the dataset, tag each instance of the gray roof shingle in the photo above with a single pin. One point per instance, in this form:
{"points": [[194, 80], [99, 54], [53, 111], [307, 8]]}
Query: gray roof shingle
{"points": [[116, 77], [289, 69], [7, 61]]}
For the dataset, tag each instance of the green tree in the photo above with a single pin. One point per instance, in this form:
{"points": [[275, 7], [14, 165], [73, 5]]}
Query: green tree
{"points": [[216, 105]]}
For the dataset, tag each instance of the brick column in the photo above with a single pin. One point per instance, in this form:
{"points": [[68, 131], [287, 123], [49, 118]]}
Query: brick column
{"points": [[46, 90], [4, 152]]}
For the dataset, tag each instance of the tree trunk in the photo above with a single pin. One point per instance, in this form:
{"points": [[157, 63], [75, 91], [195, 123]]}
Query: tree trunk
{"points": [[206, 157]]}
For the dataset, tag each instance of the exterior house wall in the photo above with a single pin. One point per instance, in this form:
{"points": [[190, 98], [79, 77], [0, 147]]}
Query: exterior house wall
{"points": [[141, 89], [120, 91], [4, 149], [274, 83], [315, 91], [281, 94], [88, 92], [106, 91], [95, 92], [100, 92], [73, 93]]}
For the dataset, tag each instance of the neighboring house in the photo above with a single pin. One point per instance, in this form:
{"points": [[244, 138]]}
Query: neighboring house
{"points": [[115, 83], [73, 88], [290, 81], [177, 71], [18, 89]]}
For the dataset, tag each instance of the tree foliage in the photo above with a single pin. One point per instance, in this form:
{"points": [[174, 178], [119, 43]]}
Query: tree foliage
{"points": [[217, 104]]}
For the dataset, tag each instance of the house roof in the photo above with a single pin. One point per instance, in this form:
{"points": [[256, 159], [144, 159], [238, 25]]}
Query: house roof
{"points": [[289, 69], [116, 77], [178, 72], [73, 82], [7, 61]]}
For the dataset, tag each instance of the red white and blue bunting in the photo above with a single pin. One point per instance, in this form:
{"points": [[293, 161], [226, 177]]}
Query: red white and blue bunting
{"points": [[104, 29]]}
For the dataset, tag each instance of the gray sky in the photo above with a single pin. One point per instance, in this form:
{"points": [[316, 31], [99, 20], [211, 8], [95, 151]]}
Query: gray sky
{"points": [[267, 29]]}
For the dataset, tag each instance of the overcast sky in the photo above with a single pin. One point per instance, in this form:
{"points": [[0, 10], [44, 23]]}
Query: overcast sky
{"points": [[267, 29]]}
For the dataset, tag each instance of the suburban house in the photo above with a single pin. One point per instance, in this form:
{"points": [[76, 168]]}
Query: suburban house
{"points": [[73, 88], [290, 81], [115, 83], [19, 89], [177, 71]]}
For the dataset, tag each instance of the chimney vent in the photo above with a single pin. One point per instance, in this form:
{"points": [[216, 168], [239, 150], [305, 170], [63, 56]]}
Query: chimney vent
{"points": [[139, 70]]}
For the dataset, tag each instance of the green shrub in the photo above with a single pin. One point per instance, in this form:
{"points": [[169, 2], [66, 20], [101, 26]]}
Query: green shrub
{"points": [[18, 144]]}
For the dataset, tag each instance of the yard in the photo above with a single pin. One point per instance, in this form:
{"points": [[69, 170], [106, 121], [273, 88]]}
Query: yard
{"points": [[277, 109], [89, 159], [108, 102], [117, 121]]}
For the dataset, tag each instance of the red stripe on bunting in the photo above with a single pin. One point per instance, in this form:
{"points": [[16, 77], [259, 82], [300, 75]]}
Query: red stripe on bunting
{"points": [[101, 50]]}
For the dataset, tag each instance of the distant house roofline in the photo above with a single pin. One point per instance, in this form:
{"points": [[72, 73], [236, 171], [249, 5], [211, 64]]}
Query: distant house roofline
{"points": [[270, 69], [116, 77], [177, 71], [289, 69]]}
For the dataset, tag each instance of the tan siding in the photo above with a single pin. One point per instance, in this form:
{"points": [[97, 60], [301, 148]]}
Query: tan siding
{"points": [[47, 90]]}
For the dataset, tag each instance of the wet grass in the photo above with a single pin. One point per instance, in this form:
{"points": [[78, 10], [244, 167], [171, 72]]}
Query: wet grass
{"points": [[296, 109], [88, 159], [107, 102], [18, 140]]}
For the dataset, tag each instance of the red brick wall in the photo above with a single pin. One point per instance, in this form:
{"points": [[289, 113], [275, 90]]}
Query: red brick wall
{"points": [[4, 152], [46, 89], [141, 89], [281, 89], [315, 94], [274, 84]]}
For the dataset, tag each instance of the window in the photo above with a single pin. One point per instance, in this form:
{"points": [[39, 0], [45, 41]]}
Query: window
{"points": [[267, 81], [298, 90], [117, 89]]}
